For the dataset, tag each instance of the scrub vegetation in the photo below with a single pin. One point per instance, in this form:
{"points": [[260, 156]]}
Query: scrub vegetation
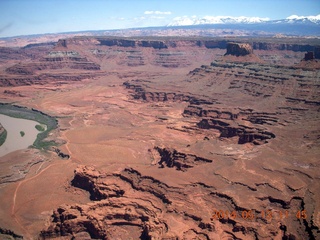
{"points": [[40, 128], [3, 137]]}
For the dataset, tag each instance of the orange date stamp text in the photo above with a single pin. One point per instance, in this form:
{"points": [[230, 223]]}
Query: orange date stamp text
{"points": [[267, 214]]}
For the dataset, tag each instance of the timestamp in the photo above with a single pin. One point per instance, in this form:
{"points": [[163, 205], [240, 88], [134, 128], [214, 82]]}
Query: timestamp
{"points": [[267, 214]]}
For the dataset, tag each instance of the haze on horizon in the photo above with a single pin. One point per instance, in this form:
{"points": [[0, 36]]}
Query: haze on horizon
{"points": [[18, 17]]}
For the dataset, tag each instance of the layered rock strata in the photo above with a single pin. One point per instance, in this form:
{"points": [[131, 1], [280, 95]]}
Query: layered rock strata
{"points": [[54, 60], [139, 93], [227, 123], [92, 54], [262, 80]]}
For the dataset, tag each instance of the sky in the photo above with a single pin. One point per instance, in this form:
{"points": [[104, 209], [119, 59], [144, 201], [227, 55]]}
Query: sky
{"points": [[25, 17]]}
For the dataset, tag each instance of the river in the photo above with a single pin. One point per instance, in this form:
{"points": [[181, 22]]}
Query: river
{"points": [[14, 140]]}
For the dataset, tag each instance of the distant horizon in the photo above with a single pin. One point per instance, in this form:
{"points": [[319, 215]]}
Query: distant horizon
{"points": [[118, 29], [53, 17]]}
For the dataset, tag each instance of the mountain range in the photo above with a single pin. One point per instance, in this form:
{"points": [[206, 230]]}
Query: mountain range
{"points": [[220, 26], [294, 19]]}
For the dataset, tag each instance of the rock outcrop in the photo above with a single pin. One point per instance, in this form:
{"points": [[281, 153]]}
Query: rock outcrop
{"points": [[181, 161], [61, 154], [62, 43], [309, 56], [9, 234], [120, 208], [231, 124], [246, 134], [130, 204], [138, 92], [239, 49], [311, 60], [240, 52]]}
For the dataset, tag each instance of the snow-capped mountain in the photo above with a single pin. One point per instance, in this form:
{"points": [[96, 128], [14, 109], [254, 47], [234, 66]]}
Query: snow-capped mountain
{"points": [[301, 19], [185, 20]]}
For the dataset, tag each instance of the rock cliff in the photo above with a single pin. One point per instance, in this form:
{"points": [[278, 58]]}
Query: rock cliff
{"points": [[96, 54], [284, 44], [54, 60], [130, 204]]}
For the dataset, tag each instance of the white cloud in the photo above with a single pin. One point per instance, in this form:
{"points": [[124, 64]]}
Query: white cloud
{"points": [[157, 12], [139, 18], [117, 18]]}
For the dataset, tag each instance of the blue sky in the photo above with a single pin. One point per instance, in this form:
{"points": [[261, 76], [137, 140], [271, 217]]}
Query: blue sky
{"points": [[23, 17]]}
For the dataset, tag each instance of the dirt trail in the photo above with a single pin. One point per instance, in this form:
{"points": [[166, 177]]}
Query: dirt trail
{"points": [[68, 142], [25, 231], [13, 213]]}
